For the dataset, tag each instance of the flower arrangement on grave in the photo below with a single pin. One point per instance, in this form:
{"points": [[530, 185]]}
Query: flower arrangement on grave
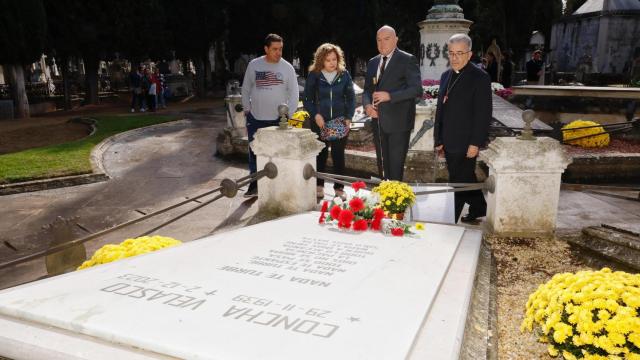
{"points": [[587, 315], [395, 197], [430, 92], [430, 89], [430, 82], [362, 212], [129, 248], [582, 132], [298, 118], [505, 93], [496, 86]]}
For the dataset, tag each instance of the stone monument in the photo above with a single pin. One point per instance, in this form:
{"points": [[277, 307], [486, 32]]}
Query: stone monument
{"points": [[291, 150], [527, 172], [444, 19]]}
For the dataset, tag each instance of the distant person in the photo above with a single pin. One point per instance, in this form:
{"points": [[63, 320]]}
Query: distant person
{"points": [[268, 82], [145, 85], [391, 86], [152, 93], [492, 67], [535, 68], [507, 69], [330, 100], [135, 83], [160, 88], [463, 114]]}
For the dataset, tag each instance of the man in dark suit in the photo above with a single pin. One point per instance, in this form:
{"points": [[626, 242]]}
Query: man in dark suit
{"points": [[391, 86], [462, 122]]}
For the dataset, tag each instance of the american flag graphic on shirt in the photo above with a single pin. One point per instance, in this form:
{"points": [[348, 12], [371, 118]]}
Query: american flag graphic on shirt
{"points": [[268, 78]]}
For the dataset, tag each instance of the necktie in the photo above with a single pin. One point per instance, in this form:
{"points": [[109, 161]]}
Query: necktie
{"points": [[384, 63]]}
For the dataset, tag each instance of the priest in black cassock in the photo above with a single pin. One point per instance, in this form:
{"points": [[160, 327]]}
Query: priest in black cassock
{"points": [[462, 123]]}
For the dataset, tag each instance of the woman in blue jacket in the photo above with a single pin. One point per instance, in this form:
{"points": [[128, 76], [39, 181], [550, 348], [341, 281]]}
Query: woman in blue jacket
{"points": [[330, 100]]}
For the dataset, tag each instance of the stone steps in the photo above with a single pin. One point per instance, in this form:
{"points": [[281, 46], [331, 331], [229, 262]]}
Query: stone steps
{"points": [[617, 245]]}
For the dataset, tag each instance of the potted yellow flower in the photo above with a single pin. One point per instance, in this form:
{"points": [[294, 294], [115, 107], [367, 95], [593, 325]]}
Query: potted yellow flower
{"points": [[395, 197]]}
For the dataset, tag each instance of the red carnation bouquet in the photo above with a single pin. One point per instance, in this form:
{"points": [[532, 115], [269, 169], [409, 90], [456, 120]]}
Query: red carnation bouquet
{"points": [[360, 212]]}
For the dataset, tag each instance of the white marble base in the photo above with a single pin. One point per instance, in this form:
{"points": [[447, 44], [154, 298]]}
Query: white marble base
{"points": [[247, 294], [290, 150], [527, 177], [439, 208]]}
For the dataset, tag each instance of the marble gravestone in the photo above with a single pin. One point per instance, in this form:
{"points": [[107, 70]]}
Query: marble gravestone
{"points": [[284, 289]]}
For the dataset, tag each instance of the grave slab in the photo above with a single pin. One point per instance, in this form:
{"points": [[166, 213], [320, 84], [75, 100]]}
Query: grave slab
{"points": [[511, 115], [285, 289]]}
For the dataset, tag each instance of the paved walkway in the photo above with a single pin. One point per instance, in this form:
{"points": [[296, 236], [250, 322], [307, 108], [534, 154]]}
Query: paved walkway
{"points": [[163, 165], [150, 169]]}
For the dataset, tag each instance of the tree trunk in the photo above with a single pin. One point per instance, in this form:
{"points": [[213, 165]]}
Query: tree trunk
{"points": [[65, 84], [91, 81], [15, 73], [200, 76], [208, 79]]}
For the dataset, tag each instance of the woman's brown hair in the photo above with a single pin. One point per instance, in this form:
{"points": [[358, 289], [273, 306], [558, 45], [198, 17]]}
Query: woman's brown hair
{"points": [[321, 54]]}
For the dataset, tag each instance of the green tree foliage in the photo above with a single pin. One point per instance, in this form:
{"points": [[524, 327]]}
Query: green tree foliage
{"points": [[96, 30], [22, 38], [511, 22], [138, 30], [23, 29], [193, 26]]}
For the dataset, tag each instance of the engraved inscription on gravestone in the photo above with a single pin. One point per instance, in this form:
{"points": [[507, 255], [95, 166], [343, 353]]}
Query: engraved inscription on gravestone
{"points": [[300, 261], [344, 295], [308, 260], [311, 255]]}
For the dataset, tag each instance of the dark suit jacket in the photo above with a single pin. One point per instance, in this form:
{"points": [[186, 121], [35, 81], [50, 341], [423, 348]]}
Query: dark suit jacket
{"points": [[464, 120], [401, 79]]}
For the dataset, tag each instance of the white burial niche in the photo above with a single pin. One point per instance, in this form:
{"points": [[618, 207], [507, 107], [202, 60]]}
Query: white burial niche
{"points": [[284, 289]]}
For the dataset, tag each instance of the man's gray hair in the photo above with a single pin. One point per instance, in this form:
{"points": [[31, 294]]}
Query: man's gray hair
{"points": [[460, 38]]}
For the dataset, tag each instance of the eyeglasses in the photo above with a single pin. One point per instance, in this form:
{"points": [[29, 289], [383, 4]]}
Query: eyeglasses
{"points": [[457, 54]]}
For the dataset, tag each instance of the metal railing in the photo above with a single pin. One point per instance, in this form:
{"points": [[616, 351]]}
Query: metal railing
{"points": [[488, 185], [228, 188], [558, 133]]}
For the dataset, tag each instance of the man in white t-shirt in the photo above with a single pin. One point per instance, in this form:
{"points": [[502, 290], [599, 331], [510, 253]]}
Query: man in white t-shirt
{"points": [[268, 82]]}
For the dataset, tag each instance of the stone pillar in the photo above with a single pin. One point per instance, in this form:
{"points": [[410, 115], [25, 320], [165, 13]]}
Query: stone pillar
{"points": [[236, 120], [527, 185], [423, 127], [444, 19], [290, 150]]}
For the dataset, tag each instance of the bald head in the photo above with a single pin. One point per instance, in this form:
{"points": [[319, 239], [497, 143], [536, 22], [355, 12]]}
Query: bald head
{"points": [[386, 39], [387, 28]]}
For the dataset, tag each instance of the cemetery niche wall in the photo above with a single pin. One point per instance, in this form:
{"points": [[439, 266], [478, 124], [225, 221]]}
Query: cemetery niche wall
{"points": [[600, 37]]}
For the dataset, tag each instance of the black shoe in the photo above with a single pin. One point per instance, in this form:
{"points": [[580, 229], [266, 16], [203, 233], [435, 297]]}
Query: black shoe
{"points": [[251, 192], [469, 219]]}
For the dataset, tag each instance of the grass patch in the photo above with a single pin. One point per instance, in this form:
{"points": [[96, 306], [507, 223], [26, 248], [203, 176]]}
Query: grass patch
{"points": [[72, 158]]}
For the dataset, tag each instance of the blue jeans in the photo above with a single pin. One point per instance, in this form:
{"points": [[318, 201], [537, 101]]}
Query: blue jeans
{"points": [[252, 127], [160, 99]]}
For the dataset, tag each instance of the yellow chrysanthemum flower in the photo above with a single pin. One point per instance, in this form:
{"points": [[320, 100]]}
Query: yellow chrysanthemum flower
{"points": [[585, 310], [582, 132], [128, 248], [395, 196]]}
